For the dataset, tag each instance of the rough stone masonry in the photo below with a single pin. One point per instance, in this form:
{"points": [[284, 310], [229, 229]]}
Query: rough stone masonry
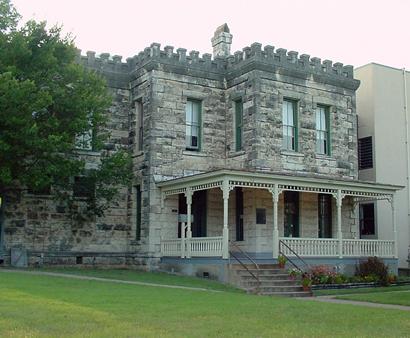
{"points": [[157, 84]]}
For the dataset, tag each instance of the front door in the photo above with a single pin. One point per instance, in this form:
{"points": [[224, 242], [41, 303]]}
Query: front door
{"points": [[291, 214]]}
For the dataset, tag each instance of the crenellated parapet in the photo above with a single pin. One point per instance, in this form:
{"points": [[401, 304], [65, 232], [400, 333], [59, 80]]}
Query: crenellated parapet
{"points": [[254, 57], [289, 59]]}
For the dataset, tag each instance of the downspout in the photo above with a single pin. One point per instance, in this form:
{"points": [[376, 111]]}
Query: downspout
{"points": [[406, 124]]}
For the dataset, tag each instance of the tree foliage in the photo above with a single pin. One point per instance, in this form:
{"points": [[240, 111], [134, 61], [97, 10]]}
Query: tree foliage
{"points": [[46, 99]]}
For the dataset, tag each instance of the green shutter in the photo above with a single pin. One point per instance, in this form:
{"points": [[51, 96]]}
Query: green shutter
{"points": [[296, 124], [238, 125], [329, 144], [138, 212], [199, 103]]}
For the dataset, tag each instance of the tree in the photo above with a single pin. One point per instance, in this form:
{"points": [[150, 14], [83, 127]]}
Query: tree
{"points": [[46, 100]]}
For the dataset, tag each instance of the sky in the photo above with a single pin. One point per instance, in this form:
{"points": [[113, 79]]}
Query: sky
{"points": [[353, 32]]}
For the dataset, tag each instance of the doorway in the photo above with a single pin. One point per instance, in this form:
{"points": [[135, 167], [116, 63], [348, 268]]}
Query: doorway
{"points": [[198, 213], [291, 214]]}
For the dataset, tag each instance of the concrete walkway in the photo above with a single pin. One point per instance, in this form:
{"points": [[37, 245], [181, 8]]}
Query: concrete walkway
{"points": [[101, 279], [332, 299]]}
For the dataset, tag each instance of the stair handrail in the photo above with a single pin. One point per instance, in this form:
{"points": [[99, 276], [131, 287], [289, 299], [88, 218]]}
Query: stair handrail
{"points": [[249, 258], [296, 254]]}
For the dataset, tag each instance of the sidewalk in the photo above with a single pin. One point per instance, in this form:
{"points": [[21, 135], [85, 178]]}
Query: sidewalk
{"points": [[332, 299]]}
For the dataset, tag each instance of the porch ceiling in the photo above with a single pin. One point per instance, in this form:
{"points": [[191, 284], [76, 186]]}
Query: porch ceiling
{"points": [[237, 178]]}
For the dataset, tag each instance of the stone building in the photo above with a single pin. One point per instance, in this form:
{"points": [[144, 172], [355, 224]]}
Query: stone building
{"points": [[255, 151]]}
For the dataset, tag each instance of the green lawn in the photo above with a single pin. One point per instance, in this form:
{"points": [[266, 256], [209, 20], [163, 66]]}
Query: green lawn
{"points": [[147, 277], [361, 290], [395, 297], [43, 306]]}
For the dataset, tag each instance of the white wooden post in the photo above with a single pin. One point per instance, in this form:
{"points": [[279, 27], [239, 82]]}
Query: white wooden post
{"points": [[225, 231], [275, 233], [394, 226], [339, 199], [188, 195], [183, 240]]}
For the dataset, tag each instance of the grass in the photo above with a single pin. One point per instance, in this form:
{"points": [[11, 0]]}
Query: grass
{"points": [[361, 290], [44, 306], [146, 277]]}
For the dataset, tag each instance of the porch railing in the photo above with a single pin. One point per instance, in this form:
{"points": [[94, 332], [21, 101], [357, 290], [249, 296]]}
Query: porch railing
{"points": [[205, 246], [194, 247], [328, 247], [368, 247], [171, 247]]}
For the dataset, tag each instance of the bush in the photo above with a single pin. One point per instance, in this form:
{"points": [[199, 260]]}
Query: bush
{"points": [[322, 274], [373, 270]]}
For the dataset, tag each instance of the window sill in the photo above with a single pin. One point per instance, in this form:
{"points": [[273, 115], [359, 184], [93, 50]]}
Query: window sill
{"points": [[194, 153], [291, 153], [87, 152], [237, 153], [323, 157]]}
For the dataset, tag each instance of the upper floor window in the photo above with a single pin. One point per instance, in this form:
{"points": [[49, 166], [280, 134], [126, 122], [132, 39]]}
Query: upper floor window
{"points": [[238, 125], [322, 130], [139, 119], [365, 148], [289, 122], [193, 124]]}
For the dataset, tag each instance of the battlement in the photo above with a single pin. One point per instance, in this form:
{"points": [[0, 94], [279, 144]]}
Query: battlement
{"points": [[103, 62], [289, 59], [267, 59]]}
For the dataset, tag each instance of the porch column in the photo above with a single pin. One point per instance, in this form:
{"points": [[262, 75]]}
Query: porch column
{"points": [[339, 199], [394, 226], [275, 234], [188, 195], [225, 232]]}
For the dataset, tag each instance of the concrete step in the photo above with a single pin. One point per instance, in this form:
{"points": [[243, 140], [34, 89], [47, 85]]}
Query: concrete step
{"points": [[288, 294], [262, 275], [262, 272], [287, 288], [252, 266], [272, 283]]}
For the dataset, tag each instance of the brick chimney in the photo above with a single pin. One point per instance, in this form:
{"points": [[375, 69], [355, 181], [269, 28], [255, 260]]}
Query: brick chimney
{"points": [[221, 42]]}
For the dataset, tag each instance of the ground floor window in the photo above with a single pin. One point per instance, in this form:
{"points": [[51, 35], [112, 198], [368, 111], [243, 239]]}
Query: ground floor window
{"points": [[325, 215], [291, 214], [367, 220], [239, 213]]}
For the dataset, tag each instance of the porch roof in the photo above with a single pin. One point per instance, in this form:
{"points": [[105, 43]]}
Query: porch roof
{"points": [[264, 180]]}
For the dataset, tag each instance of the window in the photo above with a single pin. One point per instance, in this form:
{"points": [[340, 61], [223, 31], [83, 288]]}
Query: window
{"points": [[84, 187], [238, 125], [365, 148], [289, 121], [84, 141], [322, 130], [138, 212], [325, 215], [193, 124], [367, 222], [260, 216], [139, 113]]}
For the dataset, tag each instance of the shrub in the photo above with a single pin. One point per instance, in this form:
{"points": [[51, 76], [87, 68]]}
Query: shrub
{"points": [[373, 270]]}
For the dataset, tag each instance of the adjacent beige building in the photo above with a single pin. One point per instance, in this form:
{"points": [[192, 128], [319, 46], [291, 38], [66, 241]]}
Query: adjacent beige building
{"points": [[383, 100]]}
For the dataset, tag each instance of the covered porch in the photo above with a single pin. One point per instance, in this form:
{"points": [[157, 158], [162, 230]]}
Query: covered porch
{"points": [[313, 217]]}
